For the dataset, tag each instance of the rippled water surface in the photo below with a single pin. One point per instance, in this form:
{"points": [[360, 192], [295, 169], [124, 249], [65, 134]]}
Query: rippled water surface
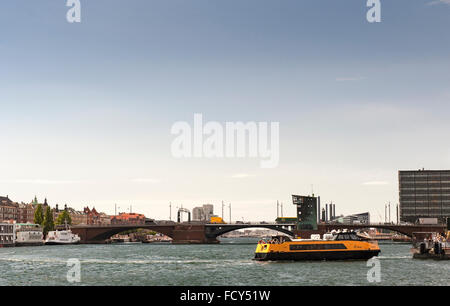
{"points": [[229, 263]]}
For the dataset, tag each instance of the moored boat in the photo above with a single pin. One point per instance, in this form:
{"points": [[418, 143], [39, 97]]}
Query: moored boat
{"points": [[431, 246], [28, 234], [62, 237], [333, 246]]}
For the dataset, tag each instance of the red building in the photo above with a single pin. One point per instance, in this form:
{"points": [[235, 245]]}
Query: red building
{"points": [[9, 210], [128, 218], [92, 216]]}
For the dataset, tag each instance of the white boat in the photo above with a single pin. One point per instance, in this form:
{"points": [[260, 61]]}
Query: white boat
{"points": [[62, 237], [28, 234]]}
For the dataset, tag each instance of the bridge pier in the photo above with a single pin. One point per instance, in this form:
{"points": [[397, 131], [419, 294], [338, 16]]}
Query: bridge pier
{"points": [[187, 234]]}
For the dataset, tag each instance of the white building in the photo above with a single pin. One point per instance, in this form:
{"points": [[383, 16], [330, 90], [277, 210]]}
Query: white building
{"points": [[28, 234], [7, 234]]}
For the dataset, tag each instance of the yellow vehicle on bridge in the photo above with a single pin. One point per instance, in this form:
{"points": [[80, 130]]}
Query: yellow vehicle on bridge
{"points": [[217, 220]]}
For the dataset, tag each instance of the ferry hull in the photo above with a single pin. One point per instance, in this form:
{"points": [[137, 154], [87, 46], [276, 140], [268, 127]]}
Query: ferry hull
{"points": [[431, 256], [19, 244], [60, 243], [324, 255]]}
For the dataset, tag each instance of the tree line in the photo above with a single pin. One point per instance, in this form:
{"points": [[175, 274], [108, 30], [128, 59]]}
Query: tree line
{"points": [[45, 219]]}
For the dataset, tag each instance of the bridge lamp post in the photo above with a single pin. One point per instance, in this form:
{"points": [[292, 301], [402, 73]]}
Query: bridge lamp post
{"points": [[223, 205]]}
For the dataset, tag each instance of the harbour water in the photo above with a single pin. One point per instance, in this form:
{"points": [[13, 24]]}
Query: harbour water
{"points": [[229, 263]]}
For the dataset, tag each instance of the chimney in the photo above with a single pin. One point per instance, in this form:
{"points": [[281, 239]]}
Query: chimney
{"points": [[318, 208]]}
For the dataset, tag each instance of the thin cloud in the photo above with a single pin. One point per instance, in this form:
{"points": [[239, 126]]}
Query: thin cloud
{"points": [[375, 183], [439, 2], [241, 175], [146, 180], [349, 79], [42, 181]]}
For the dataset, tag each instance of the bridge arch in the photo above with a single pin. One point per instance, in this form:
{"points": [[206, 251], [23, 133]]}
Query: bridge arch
{"points": [[330, 227], [101, 233], [218, 230], [407, 230]]}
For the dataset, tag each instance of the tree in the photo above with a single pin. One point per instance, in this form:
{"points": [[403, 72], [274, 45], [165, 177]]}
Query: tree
{"points": [[63, 218], [48, 225], [39, 215]]}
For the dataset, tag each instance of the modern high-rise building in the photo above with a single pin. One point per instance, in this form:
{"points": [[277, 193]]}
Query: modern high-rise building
{"points": [[197, 214], [306, 212], [424, 194], [203, 213]]}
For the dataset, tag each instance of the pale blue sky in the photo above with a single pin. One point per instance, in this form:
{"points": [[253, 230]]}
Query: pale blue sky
{"points": [[87, 108]]}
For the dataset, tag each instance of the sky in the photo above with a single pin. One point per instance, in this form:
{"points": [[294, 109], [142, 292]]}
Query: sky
{"points": [[87, 108]]}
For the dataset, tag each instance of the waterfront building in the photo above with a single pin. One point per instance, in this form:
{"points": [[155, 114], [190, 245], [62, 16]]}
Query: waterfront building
{"points": [[19, 212], [424, 194], [306, 211], [7, 234], [87, 216], [35, 203], [27, 234], [363, 218], [203, 213], [26, 213], [128, 218], [78, 217], [208, 211], [197, 214], [9, 210], [92, 216], [105, 219]]}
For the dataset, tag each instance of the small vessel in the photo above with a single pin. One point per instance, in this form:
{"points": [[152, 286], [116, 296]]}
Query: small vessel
{"points": [[333, 246], [158, 241], [429, 245], [62, 237], [28, 234]]}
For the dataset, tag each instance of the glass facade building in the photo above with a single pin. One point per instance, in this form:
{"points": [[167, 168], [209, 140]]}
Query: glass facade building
{"points": [[424, 194]]}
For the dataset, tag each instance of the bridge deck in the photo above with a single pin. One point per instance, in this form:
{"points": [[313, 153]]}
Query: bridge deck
{"points": [[207, 233]]}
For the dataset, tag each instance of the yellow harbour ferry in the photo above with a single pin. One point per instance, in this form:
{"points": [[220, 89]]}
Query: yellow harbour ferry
{"points": [[333, 246]]}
